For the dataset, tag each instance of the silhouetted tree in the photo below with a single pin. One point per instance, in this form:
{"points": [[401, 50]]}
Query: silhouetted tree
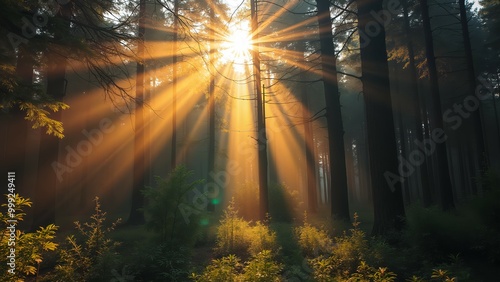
{"points": [[387, 195], [338, 188]]}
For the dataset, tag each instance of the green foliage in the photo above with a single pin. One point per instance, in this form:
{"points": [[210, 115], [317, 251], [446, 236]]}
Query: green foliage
{"points": [[29, 247], [436, 233], [91, 255], [39, 116], [160, 262], [237, 236], [221, 270], [261, 267], [439, 275], [313, 241], [442, 275], [347, 259], [163, 207]]}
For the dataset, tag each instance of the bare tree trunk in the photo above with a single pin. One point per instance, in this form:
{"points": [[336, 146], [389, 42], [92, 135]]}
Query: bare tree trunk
{"points": [[261, 119], [476, 115], [173, 162], [387, 197], [211, 103], [416, 110], [312, 197], [137, 217], [339, 194], [445, 187]]}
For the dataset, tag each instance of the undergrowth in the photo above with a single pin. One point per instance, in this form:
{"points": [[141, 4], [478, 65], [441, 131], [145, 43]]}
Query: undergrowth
{"points": [[23, 251]]}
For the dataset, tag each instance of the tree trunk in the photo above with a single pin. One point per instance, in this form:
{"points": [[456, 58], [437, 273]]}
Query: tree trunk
{"points": [[387, 196], [211, 105], [173, 160], [261, 119], [476, 116], [312, 197], [137, 217], [416, 110], [445, 188], [339, 193]]}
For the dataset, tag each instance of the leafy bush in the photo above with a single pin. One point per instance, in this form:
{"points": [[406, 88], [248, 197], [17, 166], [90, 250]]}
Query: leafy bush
{"points": [[261, 238], [163, 207], [91, 255], [29, 247], [221, 270], [261, 267], [237, 236], [313, 241], [232, 233], [347, 259], [364, 272]]}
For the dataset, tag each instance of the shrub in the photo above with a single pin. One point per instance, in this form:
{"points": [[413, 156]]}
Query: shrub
{"points": [[313, 241], [91, 255], [162, 210], [237, 236], [365, 272], [221, 270], [261, 267], [232, 233], [29, 247], [347, 259]]}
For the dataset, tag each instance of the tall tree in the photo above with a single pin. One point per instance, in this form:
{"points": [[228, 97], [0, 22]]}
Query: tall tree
{"points": [[312, 195], [416, 110], [261, 119], [135, 216], [436, 118], [211, 97], [175, 58], [338, 188], [387, 195], [471, 77]]}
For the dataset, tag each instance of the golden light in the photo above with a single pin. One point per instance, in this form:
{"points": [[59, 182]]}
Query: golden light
{"points": [[237, 47]]}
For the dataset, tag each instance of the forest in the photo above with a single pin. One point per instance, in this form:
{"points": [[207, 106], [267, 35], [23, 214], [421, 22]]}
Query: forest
{"points": [[250, 140]]}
